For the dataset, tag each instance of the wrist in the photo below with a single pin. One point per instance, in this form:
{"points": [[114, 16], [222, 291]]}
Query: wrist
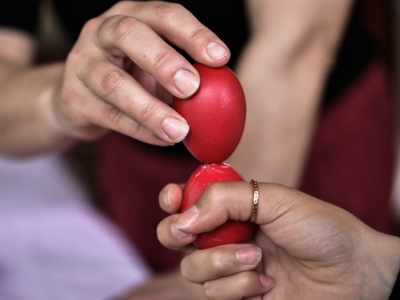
{"points": [[382, 265], [57, 135]]}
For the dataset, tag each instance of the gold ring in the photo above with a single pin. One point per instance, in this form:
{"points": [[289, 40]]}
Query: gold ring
{"points": [[255, 201]]}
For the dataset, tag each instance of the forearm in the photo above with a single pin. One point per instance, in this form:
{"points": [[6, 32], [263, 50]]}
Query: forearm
{"points": [[283, 72], [381, 266], [27, 117]]}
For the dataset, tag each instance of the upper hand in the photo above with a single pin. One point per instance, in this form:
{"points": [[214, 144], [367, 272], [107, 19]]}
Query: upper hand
{"points": [[121, 67], [310, 249]]}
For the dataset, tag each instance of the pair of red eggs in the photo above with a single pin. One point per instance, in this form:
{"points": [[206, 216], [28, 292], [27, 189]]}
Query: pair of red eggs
{"points": [[216, 115]]}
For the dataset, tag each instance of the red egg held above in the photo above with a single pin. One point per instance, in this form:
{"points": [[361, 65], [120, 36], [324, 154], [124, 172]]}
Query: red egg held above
{"points": [[216, 114]]}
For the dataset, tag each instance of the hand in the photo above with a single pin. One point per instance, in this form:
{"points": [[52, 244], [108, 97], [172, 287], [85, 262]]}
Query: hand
{"points": [[310, 249], [168, 286], [121, 66], [119, 75]]}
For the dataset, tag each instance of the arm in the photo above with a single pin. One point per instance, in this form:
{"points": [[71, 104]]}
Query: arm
{"points": [[283, 71], [25, 117], [305, 248], [114, 78]]}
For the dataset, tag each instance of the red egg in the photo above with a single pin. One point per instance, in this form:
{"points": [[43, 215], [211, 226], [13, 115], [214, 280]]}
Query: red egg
{"points": [[216, 114], [230, 232]]}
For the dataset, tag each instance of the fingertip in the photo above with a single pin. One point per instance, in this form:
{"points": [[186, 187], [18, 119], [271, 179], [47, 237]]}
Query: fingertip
{"points": [[164, 201], [169, 237], [187, 218], [267, 281], [170, 198], [249, 255], [186, 82], [179, 234], [175, 129], [217, 52]]}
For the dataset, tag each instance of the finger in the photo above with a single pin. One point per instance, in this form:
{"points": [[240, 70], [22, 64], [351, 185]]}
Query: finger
{"points": [[170, 198], [219, 202], [234, 200], [173, 238], [100, 115], [128, 36], [219, 262], [239, 286], [120, 90], [179, 26], [150, 84], [138, 31]]}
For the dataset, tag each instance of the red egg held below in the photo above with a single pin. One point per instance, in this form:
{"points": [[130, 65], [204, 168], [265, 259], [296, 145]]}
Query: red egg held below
{"points": [[216, 114], [231, 231]]}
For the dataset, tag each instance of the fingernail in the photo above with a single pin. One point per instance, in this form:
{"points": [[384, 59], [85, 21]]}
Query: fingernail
{"points": [[187, 218], [249, 255], [165, 199], [178, 233], [175, 129], [267, 281], [186, 82], [216, 51]]}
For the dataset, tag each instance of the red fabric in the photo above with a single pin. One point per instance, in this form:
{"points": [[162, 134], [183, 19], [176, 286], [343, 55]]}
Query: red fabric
{"points": [[351, 164], [352, 158], [131, 175]]}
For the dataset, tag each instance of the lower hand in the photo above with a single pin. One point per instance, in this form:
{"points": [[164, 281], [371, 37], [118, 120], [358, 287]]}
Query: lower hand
{"points": [[304, 248]]}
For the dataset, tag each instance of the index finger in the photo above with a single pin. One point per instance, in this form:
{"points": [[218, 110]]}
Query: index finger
{"points": [[234, 200], [151, 22], [175, 23]]}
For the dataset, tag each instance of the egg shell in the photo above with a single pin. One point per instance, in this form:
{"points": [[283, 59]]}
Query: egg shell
{"points": [[230, 232], [216, 114]]}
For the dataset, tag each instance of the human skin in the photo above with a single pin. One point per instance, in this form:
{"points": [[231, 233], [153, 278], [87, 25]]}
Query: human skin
{"points": [[305, 248], [283, 70], [114, 77]]}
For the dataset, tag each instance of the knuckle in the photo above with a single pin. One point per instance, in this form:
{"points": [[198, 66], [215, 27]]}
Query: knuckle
{"points": [[122, 5], [124, 26], [213, 191], [114, 116], [209, 290], [167, 10], [197, 33], [184, 267], [147, 112], [76, 55], [217, 262], [138, 131], [68, 98], [91, 25], [246, 280], [162, 60], [111, 82]]}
